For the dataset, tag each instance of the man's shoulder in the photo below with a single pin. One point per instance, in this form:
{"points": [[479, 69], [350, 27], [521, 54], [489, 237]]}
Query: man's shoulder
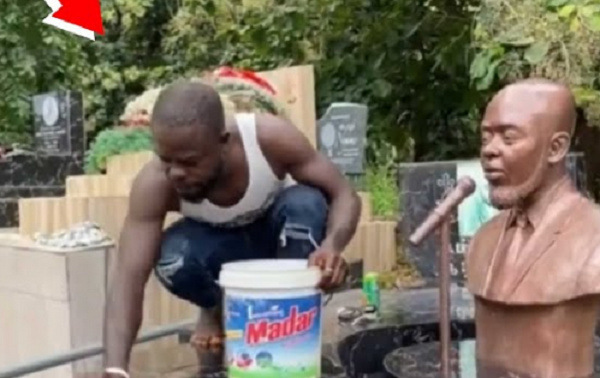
{"points": [[279, 137], [272, 125], [152, 183], [150, 175]]}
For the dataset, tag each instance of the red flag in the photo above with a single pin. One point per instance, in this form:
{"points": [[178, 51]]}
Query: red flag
{"points": [[84, 13]]}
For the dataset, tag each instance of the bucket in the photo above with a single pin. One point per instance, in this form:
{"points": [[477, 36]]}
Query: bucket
{"points": [[272, 319]]}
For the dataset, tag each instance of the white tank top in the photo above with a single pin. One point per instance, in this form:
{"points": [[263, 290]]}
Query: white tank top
{"points": [[263, 185]]}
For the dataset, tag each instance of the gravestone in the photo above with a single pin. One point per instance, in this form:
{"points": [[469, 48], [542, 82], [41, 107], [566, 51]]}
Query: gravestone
{"points": [[59, 152], [423, 185], [342, 134], [58, 123]]}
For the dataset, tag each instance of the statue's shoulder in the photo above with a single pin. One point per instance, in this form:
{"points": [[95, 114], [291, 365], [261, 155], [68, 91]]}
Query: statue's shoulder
{"points": [[582, 236], [591, 209], [492, 227], [585, 218]]}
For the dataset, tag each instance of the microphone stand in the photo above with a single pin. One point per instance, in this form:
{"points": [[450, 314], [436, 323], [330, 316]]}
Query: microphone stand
{"points": [[439, 218], [443, 225], [444, 297]]}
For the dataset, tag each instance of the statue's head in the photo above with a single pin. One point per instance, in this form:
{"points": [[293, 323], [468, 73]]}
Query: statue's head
{"points": [[525, 136]]}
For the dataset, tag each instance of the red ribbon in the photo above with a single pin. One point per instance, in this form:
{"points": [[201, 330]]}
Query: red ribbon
{"points": [[229, 72]]}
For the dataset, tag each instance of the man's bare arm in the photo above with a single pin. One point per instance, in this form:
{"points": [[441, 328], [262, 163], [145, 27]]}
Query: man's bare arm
{"points": [[139, 245], [289, 149]]}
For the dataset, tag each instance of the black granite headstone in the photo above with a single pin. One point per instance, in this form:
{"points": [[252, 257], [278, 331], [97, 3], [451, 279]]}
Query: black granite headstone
{"points": [[58, 126], [342, 134], [60, 147], [423, 185]]}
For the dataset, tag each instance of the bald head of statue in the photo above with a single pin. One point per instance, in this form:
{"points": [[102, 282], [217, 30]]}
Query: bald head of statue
{"points": [[526, 134]]}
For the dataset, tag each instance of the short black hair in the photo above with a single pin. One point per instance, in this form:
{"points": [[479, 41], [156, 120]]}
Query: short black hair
{"points": [[189, 103]]}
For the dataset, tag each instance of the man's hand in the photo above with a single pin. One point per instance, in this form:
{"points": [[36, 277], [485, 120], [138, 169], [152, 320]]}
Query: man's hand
{"points": [[333, 266]]}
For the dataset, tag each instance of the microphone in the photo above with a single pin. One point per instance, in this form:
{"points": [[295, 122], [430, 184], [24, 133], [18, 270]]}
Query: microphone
{"points": [[465, 186]]}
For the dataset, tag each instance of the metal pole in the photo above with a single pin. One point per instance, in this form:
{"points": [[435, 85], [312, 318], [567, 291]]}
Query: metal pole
{"points": [[444, 305], [79, 354]]}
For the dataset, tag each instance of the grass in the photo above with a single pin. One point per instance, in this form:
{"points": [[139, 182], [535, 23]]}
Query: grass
{"points": [[380, 182]]}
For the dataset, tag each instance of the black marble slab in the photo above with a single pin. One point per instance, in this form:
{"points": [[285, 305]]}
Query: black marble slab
{"points": [[39, 170], [9, 213], [407, 334], [15, 192], [9, 201], [423, 361], [43, 173], [33, 175], [422, 185], [409, 330], [407, 317], [31, 170]]}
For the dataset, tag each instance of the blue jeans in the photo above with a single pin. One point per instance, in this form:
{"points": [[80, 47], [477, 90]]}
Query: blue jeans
{"points": [[192, 252]]}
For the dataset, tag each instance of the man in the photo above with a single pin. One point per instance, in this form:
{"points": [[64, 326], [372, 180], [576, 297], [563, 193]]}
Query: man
{"points": [[534, 268], [227, 178]]}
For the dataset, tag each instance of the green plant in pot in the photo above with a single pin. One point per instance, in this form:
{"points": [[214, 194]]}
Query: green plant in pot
{"points": [[116, 141]]}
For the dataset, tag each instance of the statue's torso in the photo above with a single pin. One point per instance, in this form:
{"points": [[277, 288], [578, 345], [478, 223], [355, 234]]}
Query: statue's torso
{"points": [[538, 316], [550, 341]]}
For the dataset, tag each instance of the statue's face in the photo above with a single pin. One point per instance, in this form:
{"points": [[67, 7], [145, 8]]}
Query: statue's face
{"points": [[513, 149]]}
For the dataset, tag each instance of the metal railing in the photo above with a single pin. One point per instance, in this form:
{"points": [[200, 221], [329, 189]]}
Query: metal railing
{"points": [[94, 350]]}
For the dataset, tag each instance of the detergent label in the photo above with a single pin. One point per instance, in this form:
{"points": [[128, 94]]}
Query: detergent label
{"points": [[273, 338]]}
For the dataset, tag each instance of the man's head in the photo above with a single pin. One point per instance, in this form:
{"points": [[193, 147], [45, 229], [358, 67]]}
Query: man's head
{"points": [[188, 126], [526, 134]]}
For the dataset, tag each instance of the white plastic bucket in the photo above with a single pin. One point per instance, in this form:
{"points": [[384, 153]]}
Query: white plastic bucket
{"points": [[272, 319]]}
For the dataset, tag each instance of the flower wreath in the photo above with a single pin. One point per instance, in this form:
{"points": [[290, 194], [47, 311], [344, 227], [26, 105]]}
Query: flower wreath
{"points": [[240, 91]]}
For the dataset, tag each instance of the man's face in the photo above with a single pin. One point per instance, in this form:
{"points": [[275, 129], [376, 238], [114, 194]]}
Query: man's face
{"points": [[513, 149], [192, 158]]}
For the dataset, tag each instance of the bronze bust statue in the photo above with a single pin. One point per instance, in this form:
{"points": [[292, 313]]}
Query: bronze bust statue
{"points": [[534, 269]]}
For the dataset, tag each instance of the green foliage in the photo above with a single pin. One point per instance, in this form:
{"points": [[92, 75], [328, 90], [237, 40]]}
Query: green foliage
{"points": [[556, 39], [381, 183], [407, 62], [116, 141], [406, 59], [34, 58], [11, 138]]}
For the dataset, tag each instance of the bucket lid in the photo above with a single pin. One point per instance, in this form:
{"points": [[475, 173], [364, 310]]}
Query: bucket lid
{"points": [[269, 274]]}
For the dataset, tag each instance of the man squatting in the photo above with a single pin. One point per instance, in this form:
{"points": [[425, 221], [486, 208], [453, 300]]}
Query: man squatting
{"points": [[230, 179]]}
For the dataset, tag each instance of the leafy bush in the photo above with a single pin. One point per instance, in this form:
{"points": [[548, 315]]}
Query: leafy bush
{"points": [[406, 59], [381, 184], [555, 39], [9, 139], [116, 141]]}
